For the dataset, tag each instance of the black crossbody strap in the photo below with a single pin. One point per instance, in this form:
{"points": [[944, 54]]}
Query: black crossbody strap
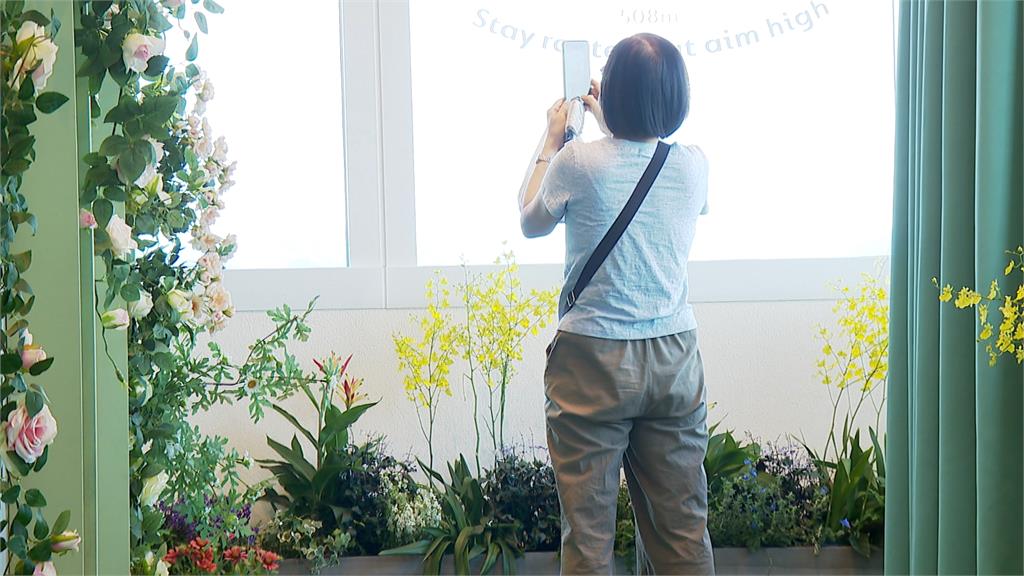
{"points": [[619, 226]]}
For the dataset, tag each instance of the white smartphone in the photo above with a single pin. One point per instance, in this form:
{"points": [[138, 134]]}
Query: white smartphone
{"points": [[576, 68]]}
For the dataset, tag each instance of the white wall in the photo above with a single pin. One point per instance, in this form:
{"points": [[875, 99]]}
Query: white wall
{"points": [[759, 361]]}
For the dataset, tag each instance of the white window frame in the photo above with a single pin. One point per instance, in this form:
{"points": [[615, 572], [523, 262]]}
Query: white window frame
{"points": [[383, 272]]}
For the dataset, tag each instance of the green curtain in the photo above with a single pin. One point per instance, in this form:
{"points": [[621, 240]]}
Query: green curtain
{"points": [[955, 480]]}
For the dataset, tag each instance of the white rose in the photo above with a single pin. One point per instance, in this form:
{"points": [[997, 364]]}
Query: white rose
{"points": [[152, 487], [40, 55], [141, 307], [180, 301], [121, 242], [161, 568], [138, 49]]}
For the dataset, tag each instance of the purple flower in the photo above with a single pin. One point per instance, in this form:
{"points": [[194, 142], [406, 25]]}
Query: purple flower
{"points": [[845, 523]]}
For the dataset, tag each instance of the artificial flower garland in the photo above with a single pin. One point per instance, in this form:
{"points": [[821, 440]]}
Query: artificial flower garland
{"points": [[28, 53]]}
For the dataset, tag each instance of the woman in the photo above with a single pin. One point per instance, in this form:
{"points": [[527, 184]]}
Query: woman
{"points": [[624, 378]]}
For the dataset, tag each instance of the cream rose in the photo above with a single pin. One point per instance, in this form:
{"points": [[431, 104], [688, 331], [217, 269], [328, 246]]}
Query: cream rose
{"points": [[116, 319], [152, 487], [121, 242], [140, 308], [138, 49], [40, 55], [28, 437], [180, 301]]}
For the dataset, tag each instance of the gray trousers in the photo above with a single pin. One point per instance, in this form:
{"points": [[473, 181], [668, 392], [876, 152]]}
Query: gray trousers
{"points": [[638, 405]]}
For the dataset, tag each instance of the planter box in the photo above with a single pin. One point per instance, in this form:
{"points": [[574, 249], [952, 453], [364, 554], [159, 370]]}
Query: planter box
{"points": [[831, 560]]}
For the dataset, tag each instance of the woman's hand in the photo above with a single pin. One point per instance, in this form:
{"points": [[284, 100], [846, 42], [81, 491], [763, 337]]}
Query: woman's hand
{"points": [[557, 117], [593, 102]]}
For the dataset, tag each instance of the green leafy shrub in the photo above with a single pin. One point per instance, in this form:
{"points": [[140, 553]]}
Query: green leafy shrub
{"points": [[754, 510], [523, 492], [364, 496]]}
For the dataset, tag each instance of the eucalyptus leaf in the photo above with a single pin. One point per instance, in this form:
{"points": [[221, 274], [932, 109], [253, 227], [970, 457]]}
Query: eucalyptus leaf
{"points": [[193, 49]]}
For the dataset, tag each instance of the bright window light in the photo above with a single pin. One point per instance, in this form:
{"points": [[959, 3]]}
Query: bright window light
{"points": [[278, 103], [791, 100]]}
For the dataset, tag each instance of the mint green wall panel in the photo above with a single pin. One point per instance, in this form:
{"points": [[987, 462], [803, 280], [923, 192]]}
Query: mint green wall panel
{"points": [[87, 470]]}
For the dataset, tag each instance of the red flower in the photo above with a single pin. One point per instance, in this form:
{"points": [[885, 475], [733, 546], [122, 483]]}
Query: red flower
{"points": [[198, 543], [208, 566], [172, 556], [236, 554], [268, 559]]}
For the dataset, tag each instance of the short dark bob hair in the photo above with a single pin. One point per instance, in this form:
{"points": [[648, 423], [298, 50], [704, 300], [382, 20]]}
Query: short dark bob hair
{"points": [[645, 90]]}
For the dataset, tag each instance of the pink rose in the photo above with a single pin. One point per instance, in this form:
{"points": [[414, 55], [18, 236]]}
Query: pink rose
{"points": [[45, 569], [28, 437], [30, 355], [87, 220], [137, 49]]}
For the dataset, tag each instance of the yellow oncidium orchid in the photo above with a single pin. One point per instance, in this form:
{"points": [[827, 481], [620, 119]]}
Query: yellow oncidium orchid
{"points": [[1009, 339]]}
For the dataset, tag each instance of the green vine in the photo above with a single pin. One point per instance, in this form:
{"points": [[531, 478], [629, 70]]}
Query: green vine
{"points": [[151, 195], [28, 53]]}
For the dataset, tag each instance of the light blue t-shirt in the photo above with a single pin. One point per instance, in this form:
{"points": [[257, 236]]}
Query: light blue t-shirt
{"points": [[641, 289]]}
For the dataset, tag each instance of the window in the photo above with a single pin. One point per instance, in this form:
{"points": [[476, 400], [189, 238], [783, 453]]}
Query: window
{"points": [[278, 102], [409, 125], [792, 101]]}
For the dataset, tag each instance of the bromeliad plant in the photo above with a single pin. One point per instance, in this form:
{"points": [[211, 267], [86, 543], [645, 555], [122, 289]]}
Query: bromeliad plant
{"points": [[27, 57], [313, 489], [1004, 308], [468, 528]]}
